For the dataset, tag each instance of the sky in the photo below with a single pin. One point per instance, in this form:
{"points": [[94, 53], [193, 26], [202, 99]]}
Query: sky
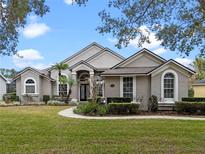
{"points": [[65, 30]]}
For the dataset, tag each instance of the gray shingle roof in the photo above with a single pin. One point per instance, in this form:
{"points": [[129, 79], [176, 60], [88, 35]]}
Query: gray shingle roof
{"points": [[131, 70]]}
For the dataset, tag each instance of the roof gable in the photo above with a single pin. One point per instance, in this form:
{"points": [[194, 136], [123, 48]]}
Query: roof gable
{"points": [[84, 50], [104, 59], [89, 52], [3, 78], [171, 61], [82, 64], [33, 70], [136, 60]]}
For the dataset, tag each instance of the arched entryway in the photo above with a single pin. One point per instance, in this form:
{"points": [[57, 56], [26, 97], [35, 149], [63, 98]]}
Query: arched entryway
{"points": [[84, 85]]}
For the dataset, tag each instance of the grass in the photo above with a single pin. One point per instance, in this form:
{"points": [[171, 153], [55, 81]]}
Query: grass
{"points": [[39, 129]]}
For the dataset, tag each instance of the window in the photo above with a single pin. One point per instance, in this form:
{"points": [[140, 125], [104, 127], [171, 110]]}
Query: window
{"points": [[128, 87], [169, 85], [30, 86], [100, 88], [62, 87]]}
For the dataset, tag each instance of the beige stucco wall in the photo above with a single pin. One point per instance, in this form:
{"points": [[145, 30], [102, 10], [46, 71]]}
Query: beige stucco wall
{"points": [[199, 90], [143, 90], [182, 84], [105, 60], [26, 75], [43, 87], [18, 87], [84, 55], [142, 60], [2, 87], [112, 91], [46, 87]]}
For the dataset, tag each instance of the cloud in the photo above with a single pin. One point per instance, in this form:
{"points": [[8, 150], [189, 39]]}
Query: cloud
{"points": [[29, 57], [28, 54], [33, 18], [154, 45], [69, 2], [35, 29], [184, 61], [159, 50]]}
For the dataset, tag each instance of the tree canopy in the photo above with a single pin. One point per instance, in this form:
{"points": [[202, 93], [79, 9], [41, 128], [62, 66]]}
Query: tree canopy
{"points": [[13, 15], [178, 24], [8, 73]]}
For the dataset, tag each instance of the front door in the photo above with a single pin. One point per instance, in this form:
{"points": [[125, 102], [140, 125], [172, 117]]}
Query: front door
{"points": [[84, 92]]}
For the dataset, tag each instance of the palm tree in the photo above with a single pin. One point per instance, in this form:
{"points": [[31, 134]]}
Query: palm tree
{"points": [[70, 82], [60, 67]]}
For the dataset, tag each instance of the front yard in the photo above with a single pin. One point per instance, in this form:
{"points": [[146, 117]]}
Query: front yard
{"points": [[40, 129]]}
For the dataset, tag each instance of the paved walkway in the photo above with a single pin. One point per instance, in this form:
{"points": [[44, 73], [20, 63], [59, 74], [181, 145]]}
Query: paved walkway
{"points": [[69, 113]]}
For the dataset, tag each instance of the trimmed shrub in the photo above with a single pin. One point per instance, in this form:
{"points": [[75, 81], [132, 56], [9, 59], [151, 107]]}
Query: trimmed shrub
{"points": [[123, 108], [193, 99], [46, 98], [102, 110], [153, 104], [10, 97], [91, 109], [191, 92], [118, 100], [191, 107]]}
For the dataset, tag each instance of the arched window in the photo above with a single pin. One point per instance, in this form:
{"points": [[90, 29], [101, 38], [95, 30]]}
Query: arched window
{"points": [[169, 85], [63, 87], [30, 86]]}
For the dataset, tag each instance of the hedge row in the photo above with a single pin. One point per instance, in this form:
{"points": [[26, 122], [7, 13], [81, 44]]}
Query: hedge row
{"points": [[10, 97], [113, 108], [191, 107], [118, 100], [193, 99], [123, 108]]}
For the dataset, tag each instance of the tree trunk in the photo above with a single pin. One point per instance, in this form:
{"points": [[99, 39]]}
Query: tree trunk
{"points": [[68, 96]]}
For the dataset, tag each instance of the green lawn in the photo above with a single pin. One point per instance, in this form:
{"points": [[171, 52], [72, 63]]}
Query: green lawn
{"points": [[40, 130]]}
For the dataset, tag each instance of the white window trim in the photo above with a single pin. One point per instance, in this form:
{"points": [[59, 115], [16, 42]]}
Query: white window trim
{"points": [[134, 86], [175, 86], [59, 83], [121, 86], [25, 84]]}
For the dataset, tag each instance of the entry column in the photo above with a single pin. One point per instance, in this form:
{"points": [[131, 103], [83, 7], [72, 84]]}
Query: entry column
{"points": [[74, 94], [91, 82]]}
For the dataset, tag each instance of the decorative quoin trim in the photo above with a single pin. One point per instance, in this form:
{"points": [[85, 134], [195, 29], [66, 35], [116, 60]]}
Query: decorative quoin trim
{"points": [[175, 85]]}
